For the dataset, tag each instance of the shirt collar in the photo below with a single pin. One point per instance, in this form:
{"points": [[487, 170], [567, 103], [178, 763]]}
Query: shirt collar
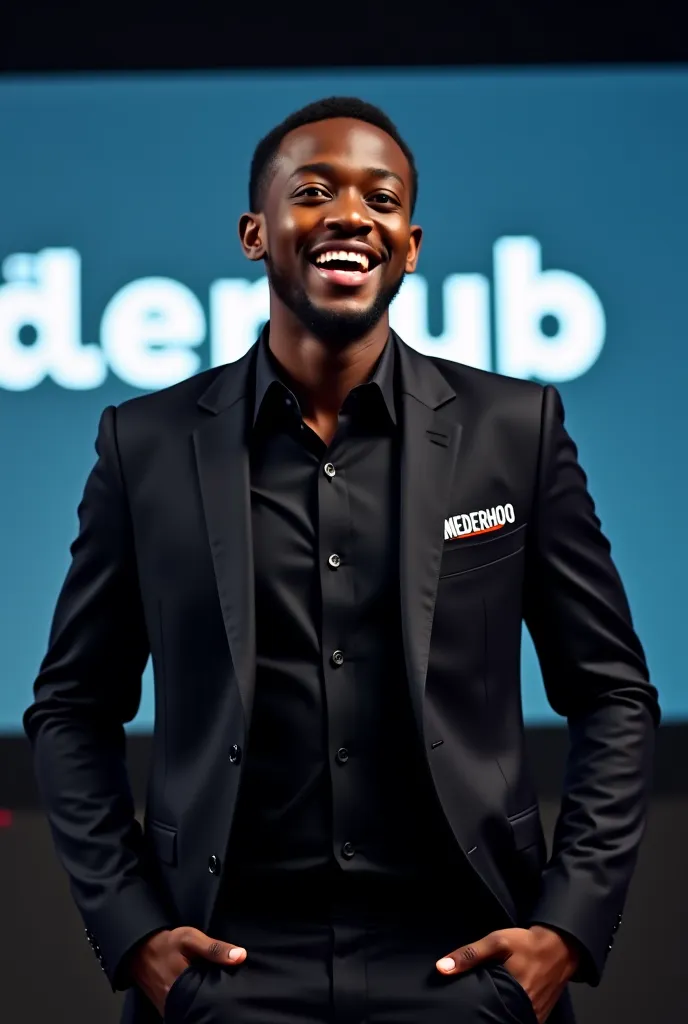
{"points": [[268, 373]]}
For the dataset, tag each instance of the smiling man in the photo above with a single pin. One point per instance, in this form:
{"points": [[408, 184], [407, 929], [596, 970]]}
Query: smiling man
{"points": [[329, 548]]}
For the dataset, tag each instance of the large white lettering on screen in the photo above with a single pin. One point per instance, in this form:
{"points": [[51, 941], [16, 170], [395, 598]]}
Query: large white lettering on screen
{"points": [[151, 329], [148, 329], [524, 296], [43, 293]]}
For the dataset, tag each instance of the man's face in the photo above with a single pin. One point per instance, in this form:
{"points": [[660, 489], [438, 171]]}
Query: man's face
{"points": [[335, 229]]}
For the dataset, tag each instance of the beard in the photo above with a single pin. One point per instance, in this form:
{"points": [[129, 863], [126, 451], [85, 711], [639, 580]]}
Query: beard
{"points": [[338, 327]]}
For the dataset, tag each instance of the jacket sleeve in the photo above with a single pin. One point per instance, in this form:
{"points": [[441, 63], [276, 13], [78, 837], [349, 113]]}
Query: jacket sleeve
{"points": [[595, 675], [88, 686]]}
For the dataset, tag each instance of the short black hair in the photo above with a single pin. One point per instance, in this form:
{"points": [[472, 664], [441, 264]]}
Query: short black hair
{"points": [[265, 153]]}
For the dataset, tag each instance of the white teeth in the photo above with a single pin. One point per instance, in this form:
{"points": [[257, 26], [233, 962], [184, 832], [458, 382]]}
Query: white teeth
{"points": [[352, 257]]}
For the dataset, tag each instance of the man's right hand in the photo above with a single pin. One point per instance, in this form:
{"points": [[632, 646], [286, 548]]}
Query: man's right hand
{"points": [[159, 960]]}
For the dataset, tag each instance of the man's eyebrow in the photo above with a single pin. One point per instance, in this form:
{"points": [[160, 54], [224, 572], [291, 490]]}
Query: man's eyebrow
{"points": [[329, 170]]}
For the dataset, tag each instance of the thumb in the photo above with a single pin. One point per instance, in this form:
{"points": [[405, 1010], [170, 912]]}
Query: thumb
{"points": [[465, 958], [195, 943]]}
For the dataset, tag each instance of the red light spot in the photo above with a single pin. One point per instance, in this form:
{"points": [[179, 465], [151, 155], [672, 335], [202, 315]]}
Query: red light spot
{"points": [[5, 818]]}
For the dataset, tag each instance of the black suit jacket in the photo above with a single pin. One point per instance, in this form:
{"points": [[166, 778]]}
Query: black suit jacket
{"points": [[163, 563]]}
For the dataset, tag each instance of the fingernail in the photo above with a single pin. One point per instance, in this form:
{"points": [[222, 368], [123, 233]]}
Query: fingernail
{"points": [[446, 963], [235, 953]]}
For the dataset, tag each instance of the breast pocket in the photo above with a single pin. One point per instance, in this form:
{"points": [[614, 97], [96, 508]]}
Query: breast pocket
{"points": [[460, 556]]}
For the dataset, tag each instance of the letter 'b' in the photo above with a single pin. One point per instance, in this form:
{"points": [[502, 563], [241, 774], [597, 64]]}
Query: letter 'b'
{"points": [[524, 295]]}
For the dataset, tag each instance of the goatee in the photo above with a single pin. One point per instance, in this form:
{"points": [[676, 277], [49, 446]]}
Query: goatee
{"points": [[335, 326]]}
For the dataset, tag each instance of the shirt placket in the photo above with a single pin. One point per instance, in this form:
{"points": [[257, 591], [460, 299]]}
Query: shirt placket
{"points": [[338, 662]]}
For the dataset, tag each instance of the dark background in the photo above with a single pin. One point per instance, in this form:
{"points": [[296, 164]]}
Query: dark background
{"points": [[46, 967]]}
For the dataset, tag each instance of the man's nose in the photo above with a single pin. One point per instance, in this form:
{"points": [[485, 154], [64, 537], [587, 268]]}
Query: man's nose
{"points": [[349, 214]]}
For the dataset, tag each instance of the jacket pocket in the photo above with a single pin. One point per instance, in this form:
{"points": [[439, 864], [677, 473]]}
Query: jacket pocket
{"points": [[164, 841], [526, 827], [463, 556]]}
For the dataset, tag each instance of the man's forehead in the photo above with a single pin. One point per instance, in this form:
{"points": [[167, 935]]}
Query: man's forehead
{"points": [[341, 139]]}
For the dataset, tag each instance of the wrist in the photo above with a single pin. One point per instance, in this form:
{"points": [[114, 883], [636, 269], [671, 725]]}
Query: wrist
{"points": [[563, 946], [137, 954]]}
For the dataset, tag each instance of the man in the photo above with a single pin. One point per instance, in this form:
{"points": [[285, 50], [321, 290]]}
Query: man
{"points": [[329, 547]]}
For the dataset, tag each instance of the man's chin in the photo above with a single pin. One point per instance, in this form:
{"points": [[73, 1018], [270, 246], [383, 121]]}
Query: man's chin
{"points": [[337, 321], [334, 323]]}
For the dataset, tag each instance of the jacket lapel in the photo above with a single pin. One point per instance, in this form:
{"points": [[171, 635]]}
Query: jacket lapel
{"points": [[222, 458], [430, 444]]}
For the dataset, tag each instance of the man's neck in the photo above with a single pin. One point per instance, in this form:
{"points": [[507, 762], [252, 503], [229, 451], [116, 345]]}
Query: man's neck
{"points": [[322, 375]]}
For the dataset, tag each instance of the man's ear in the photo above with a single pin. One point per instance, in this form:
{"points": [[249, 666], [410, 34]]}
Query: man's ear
{"points": [[252, 235], [413, 248]]}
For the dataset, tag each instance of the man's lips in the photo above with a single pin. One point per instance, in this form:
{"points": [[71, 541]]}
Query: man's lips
{"points": [[353, 278], [348, 278]]}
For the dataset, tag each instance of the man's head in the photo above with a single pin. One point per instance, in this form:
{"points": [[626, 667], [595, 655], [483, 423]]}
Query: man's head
{"points": [[333, 178]]}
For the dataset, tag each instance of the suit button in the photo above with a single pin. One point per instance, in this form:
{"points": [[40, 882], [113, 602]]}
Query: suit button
{"points": [[337, 658], [329, 470], [348, 850], [334, 561], [342, 755], [214, 865], [235, 753]]}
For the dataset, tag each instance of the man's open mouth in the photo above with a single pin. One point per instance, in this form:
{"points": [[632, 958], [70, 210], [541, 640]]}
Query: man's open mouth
{"points": [[343, 266], [342, 260]]}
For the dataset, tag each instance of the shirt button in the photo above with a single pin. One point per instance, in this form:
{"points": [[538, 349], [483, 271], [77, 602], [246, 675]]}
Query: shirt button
{"points": [[329, 469], [334, 561], [337, 658], [342, 755], [235, 753], [214, 865], [348, 850]]}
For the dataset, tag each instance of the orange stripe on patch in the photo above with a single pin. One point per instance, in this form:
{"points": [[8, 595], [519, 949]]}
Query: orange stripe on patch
{"points": [[476, 532]]}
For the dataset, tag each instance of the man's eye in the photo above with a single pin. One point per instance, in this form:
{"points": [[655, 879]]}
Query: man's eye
{"points": [[311, 191], [384, 199]]}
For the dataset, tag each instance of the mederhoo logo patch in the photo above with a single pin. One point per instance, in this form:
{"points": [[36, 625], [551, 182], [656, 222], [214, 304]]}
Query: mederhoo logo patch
{"points": [[485, 520]]}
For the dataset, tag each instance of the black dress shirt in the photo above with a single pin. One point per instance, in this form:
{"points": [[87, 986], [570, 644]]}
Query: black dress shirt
{"points": [[335, 780]]}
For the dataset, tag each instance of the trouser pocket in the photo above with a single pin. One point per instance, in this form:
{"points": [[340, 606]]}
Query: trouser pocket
{"points": [[511, 995], [182, 993]]}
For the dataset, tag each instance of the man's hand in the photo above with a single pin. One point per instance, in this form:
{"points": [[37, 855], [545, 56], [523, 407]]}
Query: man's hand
{"points": [[161, 958], [540, 959]]}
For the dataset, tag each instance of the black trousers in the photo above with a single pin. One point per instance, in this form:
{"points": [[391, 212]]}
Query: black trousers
{"points": [[348, 964]]}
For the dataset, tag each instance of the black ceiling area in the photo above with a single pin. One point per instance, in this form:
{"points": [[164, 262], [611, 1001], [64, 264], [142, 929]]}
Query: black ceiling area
{"points": [[36, 36]]}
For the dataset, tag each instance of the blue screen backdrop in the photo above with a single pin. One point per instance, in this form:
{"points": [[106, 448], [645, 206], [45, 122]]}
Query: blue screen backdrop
{"points": [[555, 212]]}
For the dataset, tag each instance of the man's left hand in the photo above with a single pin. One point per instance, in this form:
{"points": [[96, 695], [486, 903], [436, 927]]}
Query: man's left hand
{"points": [[540, 959]]}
